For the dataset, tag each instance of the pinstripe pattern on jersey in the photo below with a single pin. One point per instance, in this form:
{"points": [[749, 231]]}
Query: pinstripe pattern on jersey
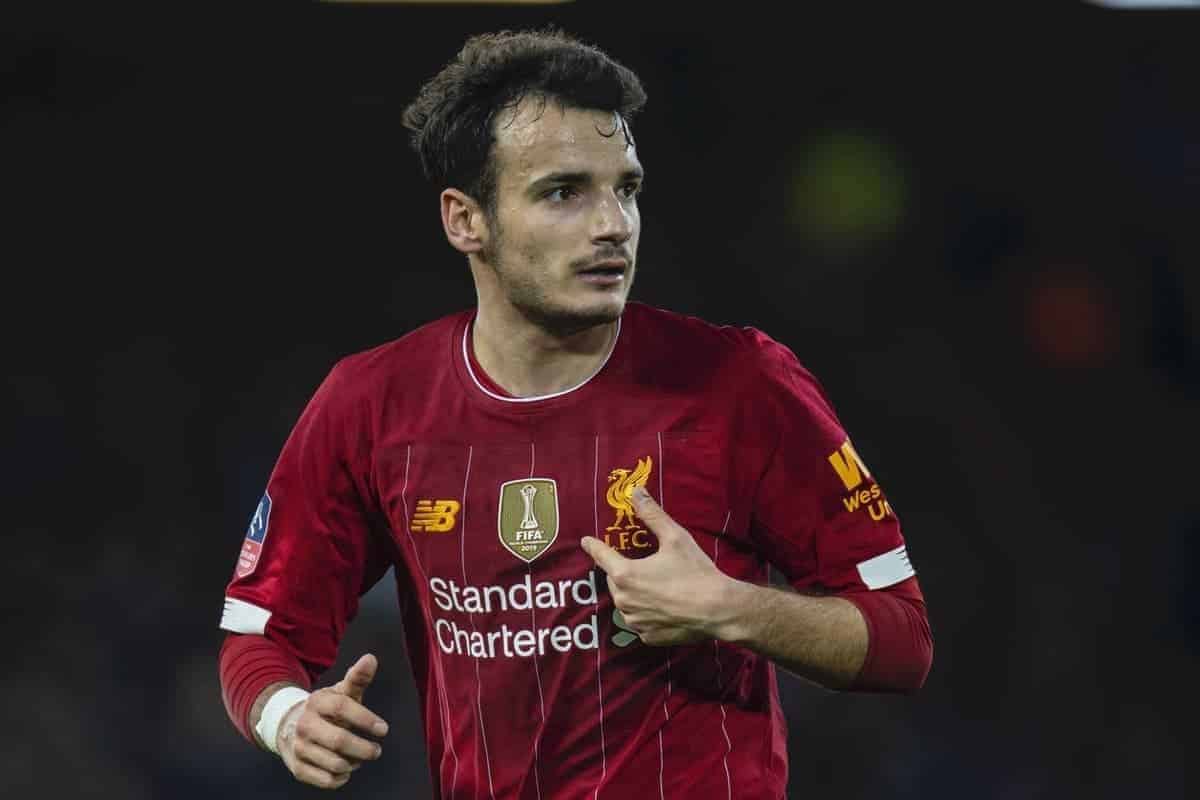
{"points": [[444, 704], [471, 616]]}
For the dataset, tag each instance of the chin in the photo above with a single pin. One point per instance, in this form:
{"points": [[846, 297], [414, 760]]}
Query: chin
{"points": [[567, 321]]}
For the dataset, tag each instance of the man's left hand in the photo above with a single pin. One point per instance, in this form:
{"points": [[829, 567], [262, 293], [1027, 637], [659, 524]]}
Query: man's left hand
{"points": [[675, 596]]}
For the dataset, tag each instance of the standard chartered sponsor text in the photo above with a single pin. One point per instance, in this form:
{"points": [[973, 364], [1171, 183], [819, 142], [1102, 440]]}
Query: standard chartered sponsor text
{"points": [[507, 641]]}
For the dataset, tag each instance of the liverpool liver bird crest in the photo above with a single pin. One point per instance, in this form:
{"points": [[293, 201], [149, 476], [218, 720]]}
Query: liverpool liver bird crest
{"points": [[622, 482]]}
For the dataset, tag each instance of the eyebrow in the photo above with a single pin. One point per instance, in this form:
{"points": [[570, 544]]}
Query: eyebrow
{"points": [[576, 178]]}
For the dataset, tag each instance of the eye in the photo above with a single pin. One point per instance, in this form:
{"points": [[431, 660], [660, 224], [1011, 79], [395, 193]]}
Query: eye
{"points": [[561, 193], [631, 189]]}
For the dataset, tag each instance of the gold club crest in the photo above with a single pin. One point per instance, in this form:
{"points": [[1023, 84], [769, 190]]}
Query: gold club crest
{"points": [[528, 516], [627, 533]]}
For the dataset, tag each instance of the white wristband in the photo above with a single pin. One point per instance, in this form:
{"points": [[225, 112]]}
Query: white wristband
{"points": [[274, 711]]}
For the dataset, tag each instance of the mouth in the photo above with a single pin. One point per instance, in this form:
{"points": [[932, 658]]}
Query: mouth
{"points": [[605, 273]]}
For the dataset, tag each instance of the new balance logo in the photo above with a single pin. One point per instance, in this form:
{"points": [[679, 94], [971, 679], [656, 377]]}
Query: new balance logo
{"points": [[435, 516]]}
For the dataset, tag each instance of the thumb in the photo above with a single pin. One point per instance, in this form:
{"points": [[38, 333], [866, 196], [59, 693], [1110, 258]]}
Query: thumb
{"points": [[651, 513], [358, 678]]}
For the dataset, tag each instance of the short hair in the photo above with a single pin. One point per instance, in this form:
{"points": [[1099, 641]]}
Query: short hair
{"points": [[451, 119]]}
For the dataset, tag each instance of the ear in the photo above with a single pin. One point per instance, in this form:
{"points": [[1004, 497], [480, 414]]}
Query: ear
{"points": [[464, 221]]}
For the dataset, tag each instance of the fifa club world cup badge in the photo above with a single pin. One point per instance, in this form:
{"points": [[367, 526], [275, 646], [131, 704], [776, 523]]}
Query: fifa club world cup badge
{"points": [[528, 516], [256, 534]]}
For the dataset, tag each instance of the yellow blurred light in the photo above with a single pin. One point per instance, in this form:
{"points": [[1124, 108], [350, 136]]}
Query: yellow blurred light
{"points": [[848, 186]]}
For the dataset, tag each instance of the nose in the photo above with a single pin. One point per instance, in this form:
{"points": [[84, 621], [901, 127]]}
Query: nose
{"points": [[613, 222]]}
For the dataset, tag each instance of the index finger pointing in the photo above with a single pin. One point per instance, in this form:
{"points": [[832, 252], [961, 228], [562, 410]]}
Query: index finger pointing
{"points": [[605, 557], [342, 742], [349, 713]]}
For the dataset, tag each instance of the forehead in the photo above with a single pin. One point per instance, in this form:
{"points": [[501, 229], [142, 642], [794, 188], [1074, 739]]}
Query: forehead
{"points": [[540, 137]]}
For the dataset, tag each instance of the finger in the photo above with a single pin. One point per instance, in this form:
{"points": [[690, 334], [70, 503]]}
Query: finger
{"points": [[315, 776], [327, 760], [338, 740], [358, 677], [347, 712], [605, 557], [651, 513]]}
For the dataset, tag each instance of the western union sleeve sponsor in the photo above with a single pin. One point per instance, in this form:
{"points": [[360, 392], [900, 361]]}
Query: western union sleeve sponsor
{"points": [[853, 473]]}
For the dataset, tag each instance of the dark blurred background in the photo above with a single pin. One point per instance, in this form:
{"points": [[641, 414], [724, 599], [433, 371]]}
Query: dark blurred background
{"points": [[979, 228]]}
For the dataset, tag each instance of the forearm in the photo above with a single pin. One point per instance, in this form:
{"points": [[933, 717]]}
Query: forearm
{"points": [[822, 639], [252, 668]]}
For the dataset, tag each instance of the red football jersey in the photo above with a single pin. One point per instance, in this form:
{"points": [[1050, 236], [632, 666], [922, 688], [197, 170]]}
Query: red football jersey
{"points": [[531, 686]]}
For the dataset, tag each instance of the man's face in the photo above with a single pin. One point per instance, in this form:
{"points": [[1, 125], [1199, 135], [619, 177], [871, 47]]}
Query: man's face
{"points": [[563, 239]]}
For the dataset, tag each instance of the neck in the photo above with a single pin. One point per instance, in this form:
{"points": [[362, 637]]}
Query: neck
{"points": [[528, 361]]}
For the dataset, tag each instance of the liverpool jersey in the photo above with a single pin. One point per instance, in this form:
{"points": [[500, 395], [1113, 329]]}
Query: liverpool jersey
{"points": [[531, 684]]}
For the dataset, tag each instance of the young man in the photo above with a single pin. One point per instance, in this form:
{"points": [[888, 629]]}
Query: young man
{"points": [[580, 495]]}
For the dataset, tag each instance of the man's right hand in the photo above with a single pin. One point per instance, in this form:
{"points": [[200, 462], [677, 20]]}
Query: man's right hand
{"points": [[318, 737]]}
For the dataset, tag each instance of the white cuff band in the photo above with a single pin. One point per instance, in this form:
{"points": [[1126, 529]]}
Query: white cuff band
{"points": [[274, 711]]}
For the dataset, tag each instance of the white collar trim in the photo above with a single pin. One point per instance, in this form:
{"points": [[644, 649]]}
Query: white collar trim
{"points": [[484, 389]]}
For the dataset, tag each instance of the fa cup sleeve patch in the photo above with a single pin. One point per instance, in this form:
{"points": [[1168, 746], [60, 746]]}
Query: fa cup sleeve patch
{"points": [[256, 535]]}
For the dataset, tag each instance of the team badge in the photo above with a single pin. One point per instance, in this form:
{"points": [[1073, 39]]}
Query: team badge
{"points": [[621, 483], [627, 534], [528, 516], [256, 534]]}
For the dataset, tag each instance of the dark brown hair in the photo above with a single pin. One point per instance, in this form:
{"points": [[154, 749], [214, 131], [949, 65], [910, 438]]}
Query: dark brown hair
{"points": [[452, 117]]}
